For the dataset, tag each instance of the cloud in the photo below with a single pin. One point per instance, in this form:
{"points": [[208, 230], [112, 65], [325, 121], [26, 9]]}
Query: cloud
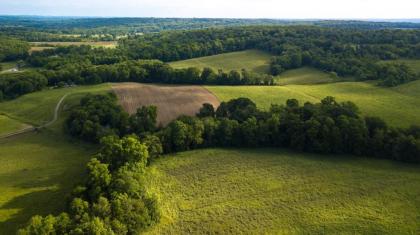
{"points": [[218, 8]]}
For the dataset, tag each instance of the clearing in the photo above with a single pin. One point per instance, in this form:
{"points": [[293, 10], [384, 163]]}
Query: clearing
{"points": [[305, 76], [39, 46], [251, 60], [171, 101], [268, 191]]}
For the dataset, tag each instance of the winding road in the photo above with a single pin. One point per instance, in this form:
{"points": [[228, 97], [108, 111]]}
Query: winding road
{"points": [[32, 128]]}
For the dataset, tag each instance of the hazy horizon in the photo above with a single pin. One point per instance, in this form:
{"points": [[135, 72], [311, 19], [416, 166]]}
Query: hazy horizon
{"points": [[249, 9]]}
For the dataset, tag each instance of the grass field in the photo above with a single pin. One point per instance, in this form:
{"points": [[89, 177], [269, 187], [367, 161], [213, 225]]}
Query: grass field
{"points": [[398, 106], [7, 65], [8, 125], [280, 192], [305, 76], [251, 60], [38, 108], [37, 173], [38, 170]]}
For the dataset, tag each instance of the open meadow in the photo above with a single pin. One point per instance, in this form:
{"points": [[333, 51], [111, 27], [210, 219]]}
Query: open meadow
{"points": [[251, 60], [398, 106], [265, 191]]}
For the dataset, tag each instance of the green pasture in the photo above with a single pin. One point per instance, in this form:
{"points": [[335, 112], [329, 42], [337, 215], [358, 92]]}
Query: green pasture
{"points": [[251, 60], [266, 191]]}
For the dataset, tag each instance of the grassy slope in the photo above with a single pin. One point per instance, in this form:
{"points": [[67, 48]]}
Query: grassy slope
{"points": [[305, 75], [398, 106], [8, 125], [280, 192], [38, 170], [252, 60], [7, 65], [38, 107]]}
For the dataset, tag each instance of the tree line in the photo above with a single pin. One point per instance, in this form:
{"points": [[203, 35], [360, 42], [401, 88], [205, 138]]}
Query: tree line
{"points": [[327, 127], [344, 51]]}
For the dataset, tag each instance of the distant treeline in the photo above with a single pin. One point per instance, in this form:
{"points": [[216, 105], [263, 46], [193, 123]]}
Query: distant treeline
{"points": [[346, 52], [151, 71], [35, 28]]}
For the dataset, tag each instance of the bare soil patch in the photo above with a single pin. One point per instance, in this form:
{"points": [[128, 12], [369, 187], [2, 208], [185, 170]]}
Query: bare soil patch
{"points": [[171, 101]]}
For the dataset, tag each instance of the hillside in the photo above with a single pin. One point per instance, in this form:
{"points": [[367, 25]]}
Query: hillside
{"points": [[251, 60], [39, 169], [398, 106], [276, 191]]}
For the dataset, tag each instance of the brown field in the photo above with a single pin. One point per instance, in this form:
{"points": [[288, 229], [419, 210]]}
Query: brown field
{"points": [[171, 101], [40, 46]]}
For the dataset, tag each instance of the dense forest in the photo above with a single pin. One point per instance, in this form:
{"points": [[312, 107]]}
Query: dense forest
{"points": [[13, 49]]}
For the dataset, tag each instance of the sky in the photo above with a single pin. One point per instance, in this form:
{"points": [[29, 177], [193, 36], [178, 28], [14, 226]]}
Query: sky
{"points": [[279, 9]]}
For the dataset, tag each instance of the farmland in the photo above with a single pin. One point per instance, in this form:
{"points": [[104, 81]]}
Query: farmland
{"points": [[40, 46], [277, 191], [171, 101], [398, 106], [251, 60]]}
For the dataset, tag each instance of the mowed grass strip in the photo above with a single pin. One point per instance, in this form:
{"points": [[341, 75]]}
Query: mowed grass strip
{"points": [[37, 173], [305, 76], [38, 107], [266, 191], [397, 106], [251, 60]]}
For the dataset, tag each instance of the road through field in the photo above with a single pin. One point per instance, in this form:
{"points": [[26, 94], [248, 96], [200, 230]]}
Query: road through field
{"points": [[32, 128]]}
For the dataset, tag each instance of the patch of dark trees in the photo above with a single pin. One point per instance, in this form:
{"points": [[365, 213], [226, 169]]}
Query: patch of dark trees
{"points": [[16, 84]]}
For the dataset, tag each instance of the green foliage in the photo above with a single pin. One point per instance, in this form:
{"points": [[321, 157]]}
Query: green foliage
{"points": [[144, 120], [118, 152], [12, 49], [97, 116], [113, 199], [13, 85]]}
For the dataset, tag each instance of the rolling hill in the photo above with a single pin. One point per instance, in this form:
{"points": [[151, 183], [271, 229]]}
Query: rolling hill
{"points": [[251, 60], [265, 191]]}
